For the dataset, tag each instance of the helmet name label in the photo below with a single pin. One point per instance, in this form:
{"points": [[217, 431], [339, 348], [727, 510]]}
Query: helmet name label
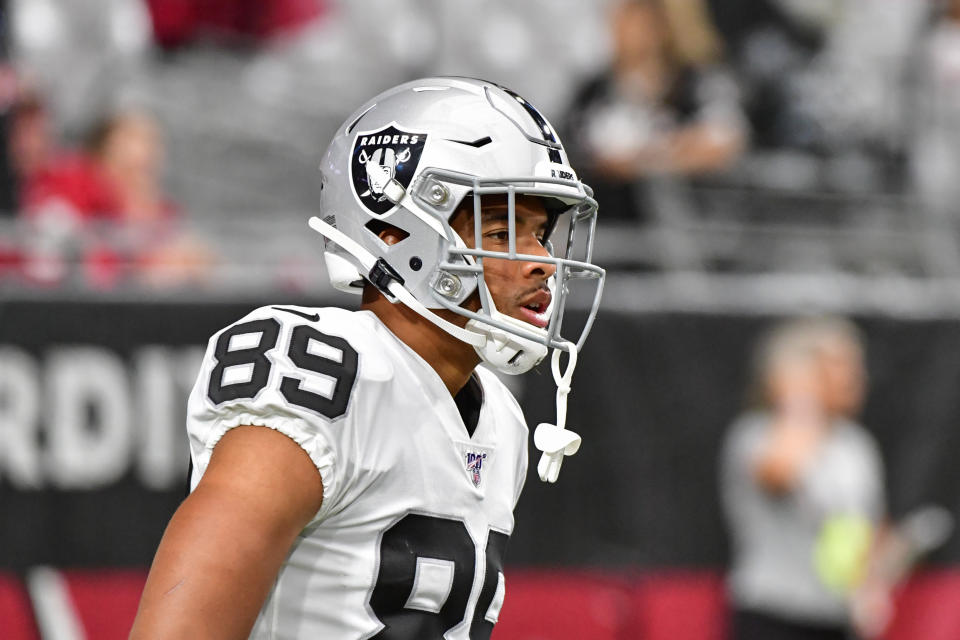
{"points": [[555, 170], [394, 139], [381, 160]]}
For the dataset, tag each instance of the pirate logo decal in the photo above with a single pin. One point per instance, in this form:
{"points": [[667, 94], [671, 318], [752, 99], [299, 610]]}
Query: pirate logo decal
{"points": [[380, 159]]}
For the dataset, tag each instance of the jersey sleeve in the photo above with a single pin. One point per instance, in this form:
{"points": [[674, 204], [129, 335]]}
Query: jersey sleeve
{"points": [[285, 369]]}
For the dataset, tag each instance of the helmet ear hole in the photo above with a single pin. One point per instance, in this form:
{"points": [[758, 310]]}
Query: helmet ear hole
{"points": [[388, 233]]}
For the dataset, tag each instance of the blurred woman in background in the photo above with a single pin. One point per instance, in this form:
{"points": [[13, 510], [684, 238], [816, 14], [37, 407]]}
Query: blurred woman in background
{"points": [[803, 489], [106, 208], [663, 106]]}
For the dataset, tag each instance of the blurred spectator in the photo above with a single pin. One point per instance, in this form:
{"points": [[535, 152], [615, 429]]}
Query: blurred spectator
{"points": [[56, 190], [936, 145], [662, 107], [769, 41], [9, 184], [84, 54], [8, 93], [823, 85], [105, 208], [35, 153], [128, 150], [803, 490], [8, 173]]}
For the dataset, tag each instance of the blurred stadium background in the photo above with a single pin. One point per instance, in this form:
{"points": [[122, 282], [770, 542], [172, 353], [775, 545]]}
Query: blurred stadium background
{"points": [[841, 196]]}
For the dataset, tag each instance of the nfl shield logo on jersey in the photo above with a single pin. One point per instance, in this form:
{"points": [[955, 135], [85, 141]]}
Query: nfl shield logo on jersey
{"points": [[381, 157]]}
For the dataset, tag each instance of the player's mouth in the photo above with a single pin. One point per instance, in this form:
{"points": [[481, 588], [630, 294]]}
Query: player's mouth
{"points": [[536, 309]]}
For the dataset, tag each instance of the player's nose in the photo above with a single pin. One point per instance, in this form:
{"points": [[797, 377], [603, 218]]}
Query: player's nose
{"points": [[535, 268]]}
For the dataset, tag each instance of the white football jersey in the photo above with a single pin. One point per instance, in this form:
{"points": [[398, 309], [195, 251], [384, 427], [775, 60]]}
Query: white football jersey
{"points": [[416, 514]]}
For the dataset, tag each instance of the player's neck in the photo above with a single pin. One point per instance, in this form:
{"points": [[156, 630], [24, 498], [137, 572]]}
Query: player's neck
{"points": [[452, 359]]}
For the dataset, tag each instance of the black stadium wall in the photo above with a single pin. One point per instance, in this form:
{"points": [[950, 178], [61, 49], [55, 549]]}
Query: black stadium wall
{"points": [[93, 455], [92, 400]]}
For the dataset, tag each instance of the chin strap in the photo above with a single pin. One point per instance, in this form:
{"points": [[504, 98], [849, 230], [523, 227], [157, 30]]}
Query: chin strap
{"points": [[470, 337], [554, 440], [370, 264]]}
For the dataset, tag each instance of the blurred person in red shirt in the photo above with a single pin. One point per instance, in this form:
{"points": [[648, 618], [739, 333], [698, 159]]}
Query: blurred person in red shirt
{"points": [[106, 209], [57, 190], [49, 174], [180, 22], [29, 141]]}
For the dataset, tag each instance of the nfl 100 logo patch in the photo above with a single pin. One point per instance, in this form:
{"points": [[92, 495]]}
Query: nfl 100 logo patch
{"points": [[475, 461]]}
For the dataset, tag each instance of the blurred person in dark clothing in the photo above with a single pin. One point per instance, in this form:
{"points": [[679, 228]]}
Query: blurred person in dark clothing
{"points": [[8, 174], [8, 89], [662, 107], [10, 258], [803, 490], [768, 43], [823, 84]]}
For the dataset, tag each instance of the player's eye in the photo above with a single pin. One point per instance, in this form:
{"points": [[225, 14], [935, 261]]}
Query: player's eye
{"points": [[500, 235]]}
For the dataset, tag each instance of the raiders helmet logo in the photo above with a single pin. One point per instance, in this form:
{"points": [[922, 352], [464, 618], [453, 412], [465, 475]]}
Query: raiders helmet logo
{"points": [[381, 157]]}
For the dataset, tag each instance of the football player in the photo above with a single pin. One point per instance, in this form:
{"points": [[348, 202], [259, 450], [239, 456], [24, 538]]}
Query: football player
{"points": [[355, 473]]}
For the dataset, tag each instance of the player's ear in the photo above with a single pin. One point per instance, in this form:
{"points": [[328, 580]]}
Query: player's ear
{"points": [[392, 235], [387, 232]]}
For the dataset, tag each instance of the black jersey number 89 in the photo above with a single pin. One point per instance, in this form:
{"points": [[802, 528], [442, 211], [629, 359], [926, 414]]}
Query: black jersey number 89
{"points": [[343, 371]]}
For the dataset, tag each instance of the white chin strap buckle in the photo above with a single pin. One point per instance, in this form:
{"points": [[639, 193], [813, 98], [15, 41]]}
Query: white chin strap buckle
{"points": [[555, 443], [554, 440]]}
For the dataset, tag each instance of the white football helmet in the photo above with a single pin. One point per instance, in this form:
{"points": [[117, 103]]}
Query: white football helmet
{"points": [[408, 158]]}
